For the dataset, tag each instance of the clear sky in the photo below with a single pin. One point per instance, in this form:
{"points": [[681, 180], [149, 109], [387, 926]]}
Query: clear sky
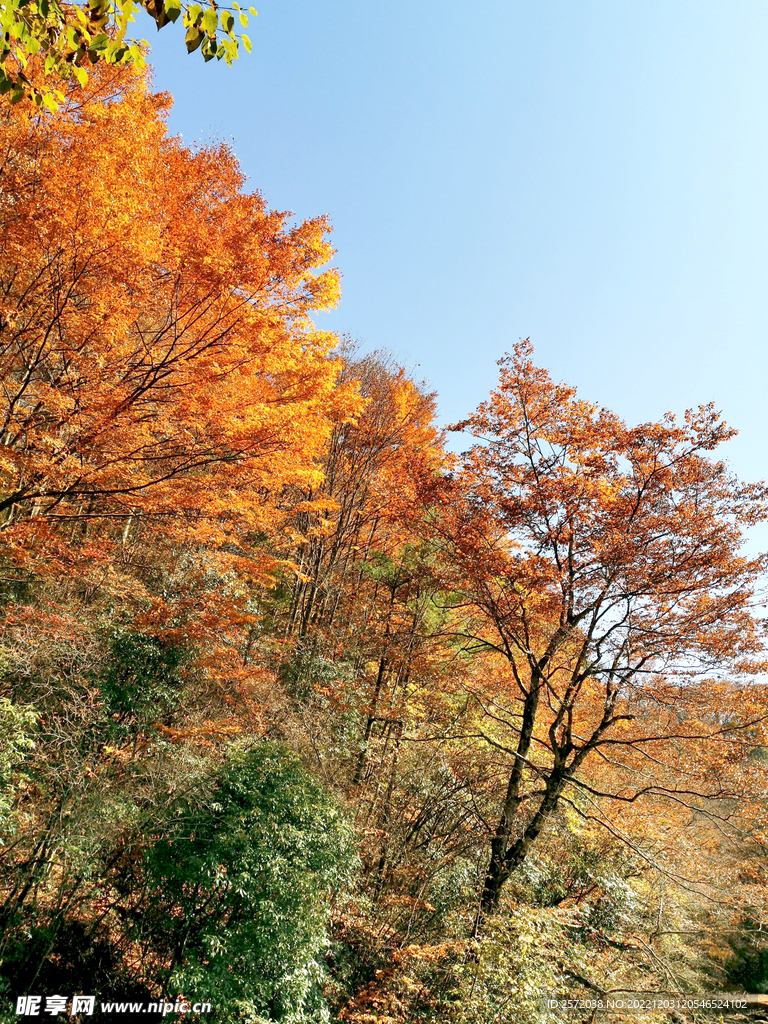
{"points": [[589, 173]]}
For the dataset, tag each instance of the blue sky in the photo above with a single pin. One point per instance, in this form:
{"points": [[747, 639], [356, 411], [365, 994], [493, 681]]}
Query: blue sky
{"points": [[589, 173]]}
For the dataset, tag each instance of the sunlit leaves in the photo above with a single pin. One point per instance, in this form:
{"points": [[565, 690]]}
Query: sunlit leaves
{"points": [[181, 272], [73, 37]]}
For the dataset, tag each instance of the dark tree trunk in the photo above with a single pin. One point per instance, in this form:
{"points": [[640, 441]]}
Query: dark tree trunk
{"points": [[505, 858]]}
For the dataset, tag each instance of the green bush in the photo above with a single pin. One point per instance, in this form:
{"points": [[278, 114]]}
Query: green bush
{"points": [[142, 681], [239, 886]]}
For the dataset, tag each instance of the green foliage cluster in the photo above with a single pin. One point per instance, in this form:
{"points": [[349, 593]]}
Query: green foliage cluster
{"points": [[142, 680], [512, 969], [70, 37], [239, 882]]}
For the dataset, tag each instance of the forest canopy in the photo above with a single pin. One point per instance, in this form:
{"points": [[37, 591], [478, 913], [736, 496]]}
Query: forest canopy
{"points": [[302, 714]]}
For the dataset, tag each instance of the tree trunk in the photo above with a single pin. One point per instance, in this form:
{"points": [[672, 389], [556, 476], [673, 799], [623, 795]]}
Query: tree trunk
{"points": [[504, 859]]}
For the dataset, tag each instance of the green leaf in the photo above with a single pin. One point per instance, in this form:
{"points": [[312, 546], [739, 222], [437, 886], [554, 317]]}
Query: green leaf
{"points": [[136, 53], [266, 847], [193, 38], [124, 11], [173, 9], [227, 21], [80, 74], [210, 21]]}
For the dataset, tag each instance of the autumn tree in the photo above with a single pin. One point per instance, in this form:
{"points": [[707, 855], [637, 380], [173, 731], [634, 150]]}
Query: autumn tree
{"points": [[158, 359], [234, 556], [358, 594], [371, 468], [602, 563]]}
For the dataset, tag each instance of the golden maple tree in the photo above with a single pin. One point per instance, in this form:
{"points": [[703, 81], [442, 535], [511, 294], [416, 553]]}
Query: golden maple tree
{"points": [[158, 357]]}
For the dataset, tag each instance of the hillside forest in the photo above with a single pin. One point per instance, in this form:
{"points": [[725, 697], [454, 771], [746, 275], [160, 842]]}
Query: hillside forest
{"points": [[302, 713]]}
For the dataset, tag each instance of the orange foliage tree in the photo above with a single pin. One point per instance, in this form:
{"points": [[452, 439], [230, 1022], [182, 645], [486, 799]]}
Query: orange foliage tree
{"points": [[371, 471], [158, 359], [603, 564]]}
